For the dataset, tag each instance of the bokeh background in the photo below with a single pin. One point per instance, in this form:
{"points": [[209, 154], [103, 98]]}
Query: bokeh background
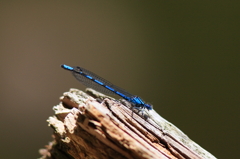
{"points": [[182, 57]]}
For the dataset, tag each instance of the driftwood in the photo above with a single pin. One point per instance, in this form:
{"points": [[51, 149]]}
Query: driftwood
{"points": [[96, 126]]}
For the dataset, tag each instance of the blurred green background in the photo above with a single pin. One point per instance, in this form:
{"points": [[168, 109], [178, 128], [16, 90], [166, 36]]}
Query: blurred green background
{"points": [[182, 57]]}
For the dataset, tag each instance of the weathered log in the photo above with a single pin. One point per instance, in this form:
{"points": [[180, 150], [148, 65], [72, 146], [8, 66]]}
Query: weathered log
{"points": [[98, 127]]}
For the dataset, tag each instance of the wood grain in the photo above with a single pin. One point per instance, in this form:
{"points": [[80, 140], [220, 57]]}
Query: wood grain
{"points": [[99, 127]]}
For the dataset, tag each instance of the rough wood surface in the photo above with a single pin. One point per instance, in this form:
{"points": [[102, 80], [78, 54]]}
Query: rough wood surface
{"points": [[100, 127]]}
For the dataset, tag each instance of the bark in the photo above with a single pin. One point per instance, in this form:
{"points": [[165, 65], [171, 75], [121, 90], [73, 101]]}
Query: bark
{"points": [[99, 127]]}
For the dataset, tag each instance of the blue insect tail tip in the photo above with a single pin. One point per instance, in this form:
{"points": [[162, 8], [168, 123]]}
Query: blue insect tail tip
{"points": [[66, 67], [63, 65]]}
